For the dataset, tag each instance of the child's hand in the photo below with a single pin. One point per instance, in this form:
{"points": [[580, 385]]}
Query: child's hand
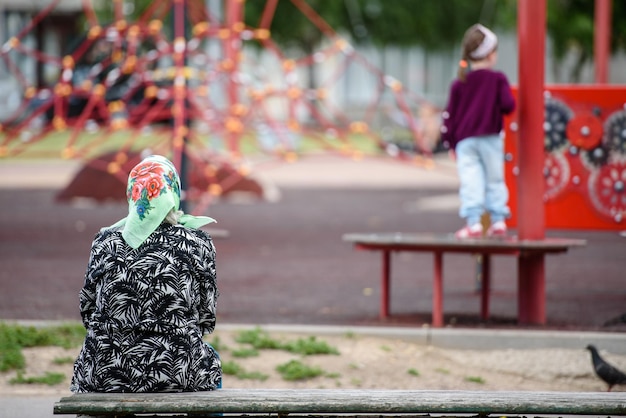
{"points": [[452, 154]]}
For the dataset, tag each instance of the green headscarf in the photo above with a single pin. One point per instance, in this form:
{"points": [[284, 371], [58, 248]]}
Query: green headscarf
{"points": [[153, 191]]}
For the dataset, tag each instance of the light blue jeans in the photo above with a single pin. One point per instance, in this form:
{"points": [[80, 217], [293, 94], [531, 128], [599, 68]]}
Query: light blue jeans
{"points": [[480, 165]]}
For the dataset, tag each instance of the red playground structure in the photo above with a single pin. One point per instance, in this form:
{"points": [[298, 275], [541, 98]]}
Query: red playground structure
{"points": [[529, 153], [584, 164]]}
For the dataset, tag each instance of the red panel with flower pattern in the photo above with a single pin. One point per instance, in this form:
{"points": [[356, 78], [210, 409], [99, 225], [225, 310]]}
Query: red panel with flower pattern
{"points": [[585, 157]]}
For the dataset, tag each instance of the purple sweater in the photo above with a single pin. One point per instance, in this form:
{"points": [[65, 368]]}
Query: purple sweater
{"points": [[476, 106]]}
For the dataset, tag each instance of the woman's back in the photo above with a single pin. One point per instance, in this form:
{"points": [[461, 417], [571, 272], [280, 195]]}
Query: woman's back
{"points": [[149, 295]]}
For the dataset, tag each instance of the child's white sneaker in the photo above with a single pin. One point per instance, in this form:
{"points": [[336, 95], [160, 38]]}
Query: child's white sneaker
{"points": [[497, 229], [474, 231]]}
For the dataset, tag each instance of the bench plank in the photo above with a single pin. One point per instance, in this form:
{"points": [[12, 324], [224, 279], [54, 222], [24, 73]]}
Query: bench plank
{"points": [[344, 401], [448, 243]]}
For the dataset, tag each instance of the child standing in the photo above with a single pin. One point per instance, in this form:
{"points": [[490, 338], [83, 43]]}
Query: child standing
{"points": [[472, 125]]}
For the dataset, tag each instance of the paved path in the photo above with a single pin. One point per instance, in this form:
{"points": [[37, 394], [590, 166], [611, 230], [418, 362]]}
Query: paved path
{"points": [[284, 261], [27, 406]]}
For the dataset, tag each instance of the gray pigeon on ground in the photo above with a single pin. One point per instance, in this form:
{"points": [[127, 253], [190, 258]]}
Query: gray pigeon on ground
{"points": [[605, 371]]}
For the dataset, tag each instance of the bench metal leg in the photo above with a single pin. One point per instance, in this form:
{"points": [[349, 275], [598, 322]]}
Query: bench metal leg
{"points": [[486, 283], [438, 291], [531, 293], [384, 285]]}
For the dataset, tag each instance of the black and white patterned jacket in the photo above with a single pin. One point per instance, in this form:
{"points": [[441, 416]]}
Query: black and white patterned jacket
{"points": [[146, 311]]}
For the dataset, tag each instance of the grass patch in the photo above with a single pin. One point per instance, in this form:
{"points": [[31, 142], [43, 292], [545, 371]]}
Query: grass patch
{"points": [[296, 370], [258, 339], [48, 378], [63, 360], [217, 344], [232, 368], [261, 340], [413, 372], [15, 337], [309, 346], [245, 352], [442, 371], [475, 379], [56, 144], [53, 145], [252, 376], [66, 336]]}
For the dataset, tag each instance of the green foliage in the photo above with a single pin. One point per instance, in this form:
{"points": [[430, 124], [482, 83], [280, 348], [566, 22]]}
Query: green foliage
{"points": [[48, 378], [571, 28], [14, 337], [435, 24], [290, 27], [413, 372], [105, 10], [432, 24], [296, 370]]}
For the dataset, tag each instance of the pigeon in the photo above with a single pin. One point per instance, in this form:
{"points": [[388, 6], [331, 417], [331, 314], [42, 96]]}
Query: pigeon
{"points": [[605, 371]]}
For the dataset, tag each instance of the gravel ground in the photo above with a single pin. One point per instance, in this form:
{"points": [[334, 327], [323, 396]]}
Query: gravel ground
{"points": [[372, 362]]}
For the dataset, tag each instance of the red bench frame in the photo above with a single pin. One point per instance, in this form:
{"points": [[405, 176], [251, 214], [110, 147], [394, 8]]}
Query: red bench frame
{"points": [[531, 295]]}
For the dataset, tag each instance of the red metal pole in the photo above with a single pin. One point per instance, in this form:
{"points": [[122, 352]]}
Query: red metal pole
{"points": [[268, 14], [486, 286], [384, 285], [438, 291], [531, 290], [602, 40], [531, 219], [179, 89], [232, 48], [531, 34]]}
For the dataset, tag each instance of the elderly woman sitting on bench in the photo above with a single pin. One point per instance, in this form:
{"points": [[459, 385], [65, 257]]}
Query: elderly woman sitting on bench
{"points": [[150, 295]]}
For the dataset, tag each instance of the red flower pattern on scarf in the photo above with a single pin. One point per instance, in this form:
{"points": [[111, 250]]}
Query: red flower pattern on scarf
{"points": [[149, 176]]}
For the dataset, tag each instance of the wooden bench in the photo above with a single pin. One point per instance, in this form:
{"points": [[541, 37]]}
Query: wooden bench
{"points": [[439, 244], [329, 402]]}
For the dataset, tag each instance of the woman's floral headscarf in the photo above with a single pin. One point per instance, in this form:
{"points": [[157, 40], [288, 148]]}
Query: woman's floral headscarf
{"points": [[153, 191]]}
